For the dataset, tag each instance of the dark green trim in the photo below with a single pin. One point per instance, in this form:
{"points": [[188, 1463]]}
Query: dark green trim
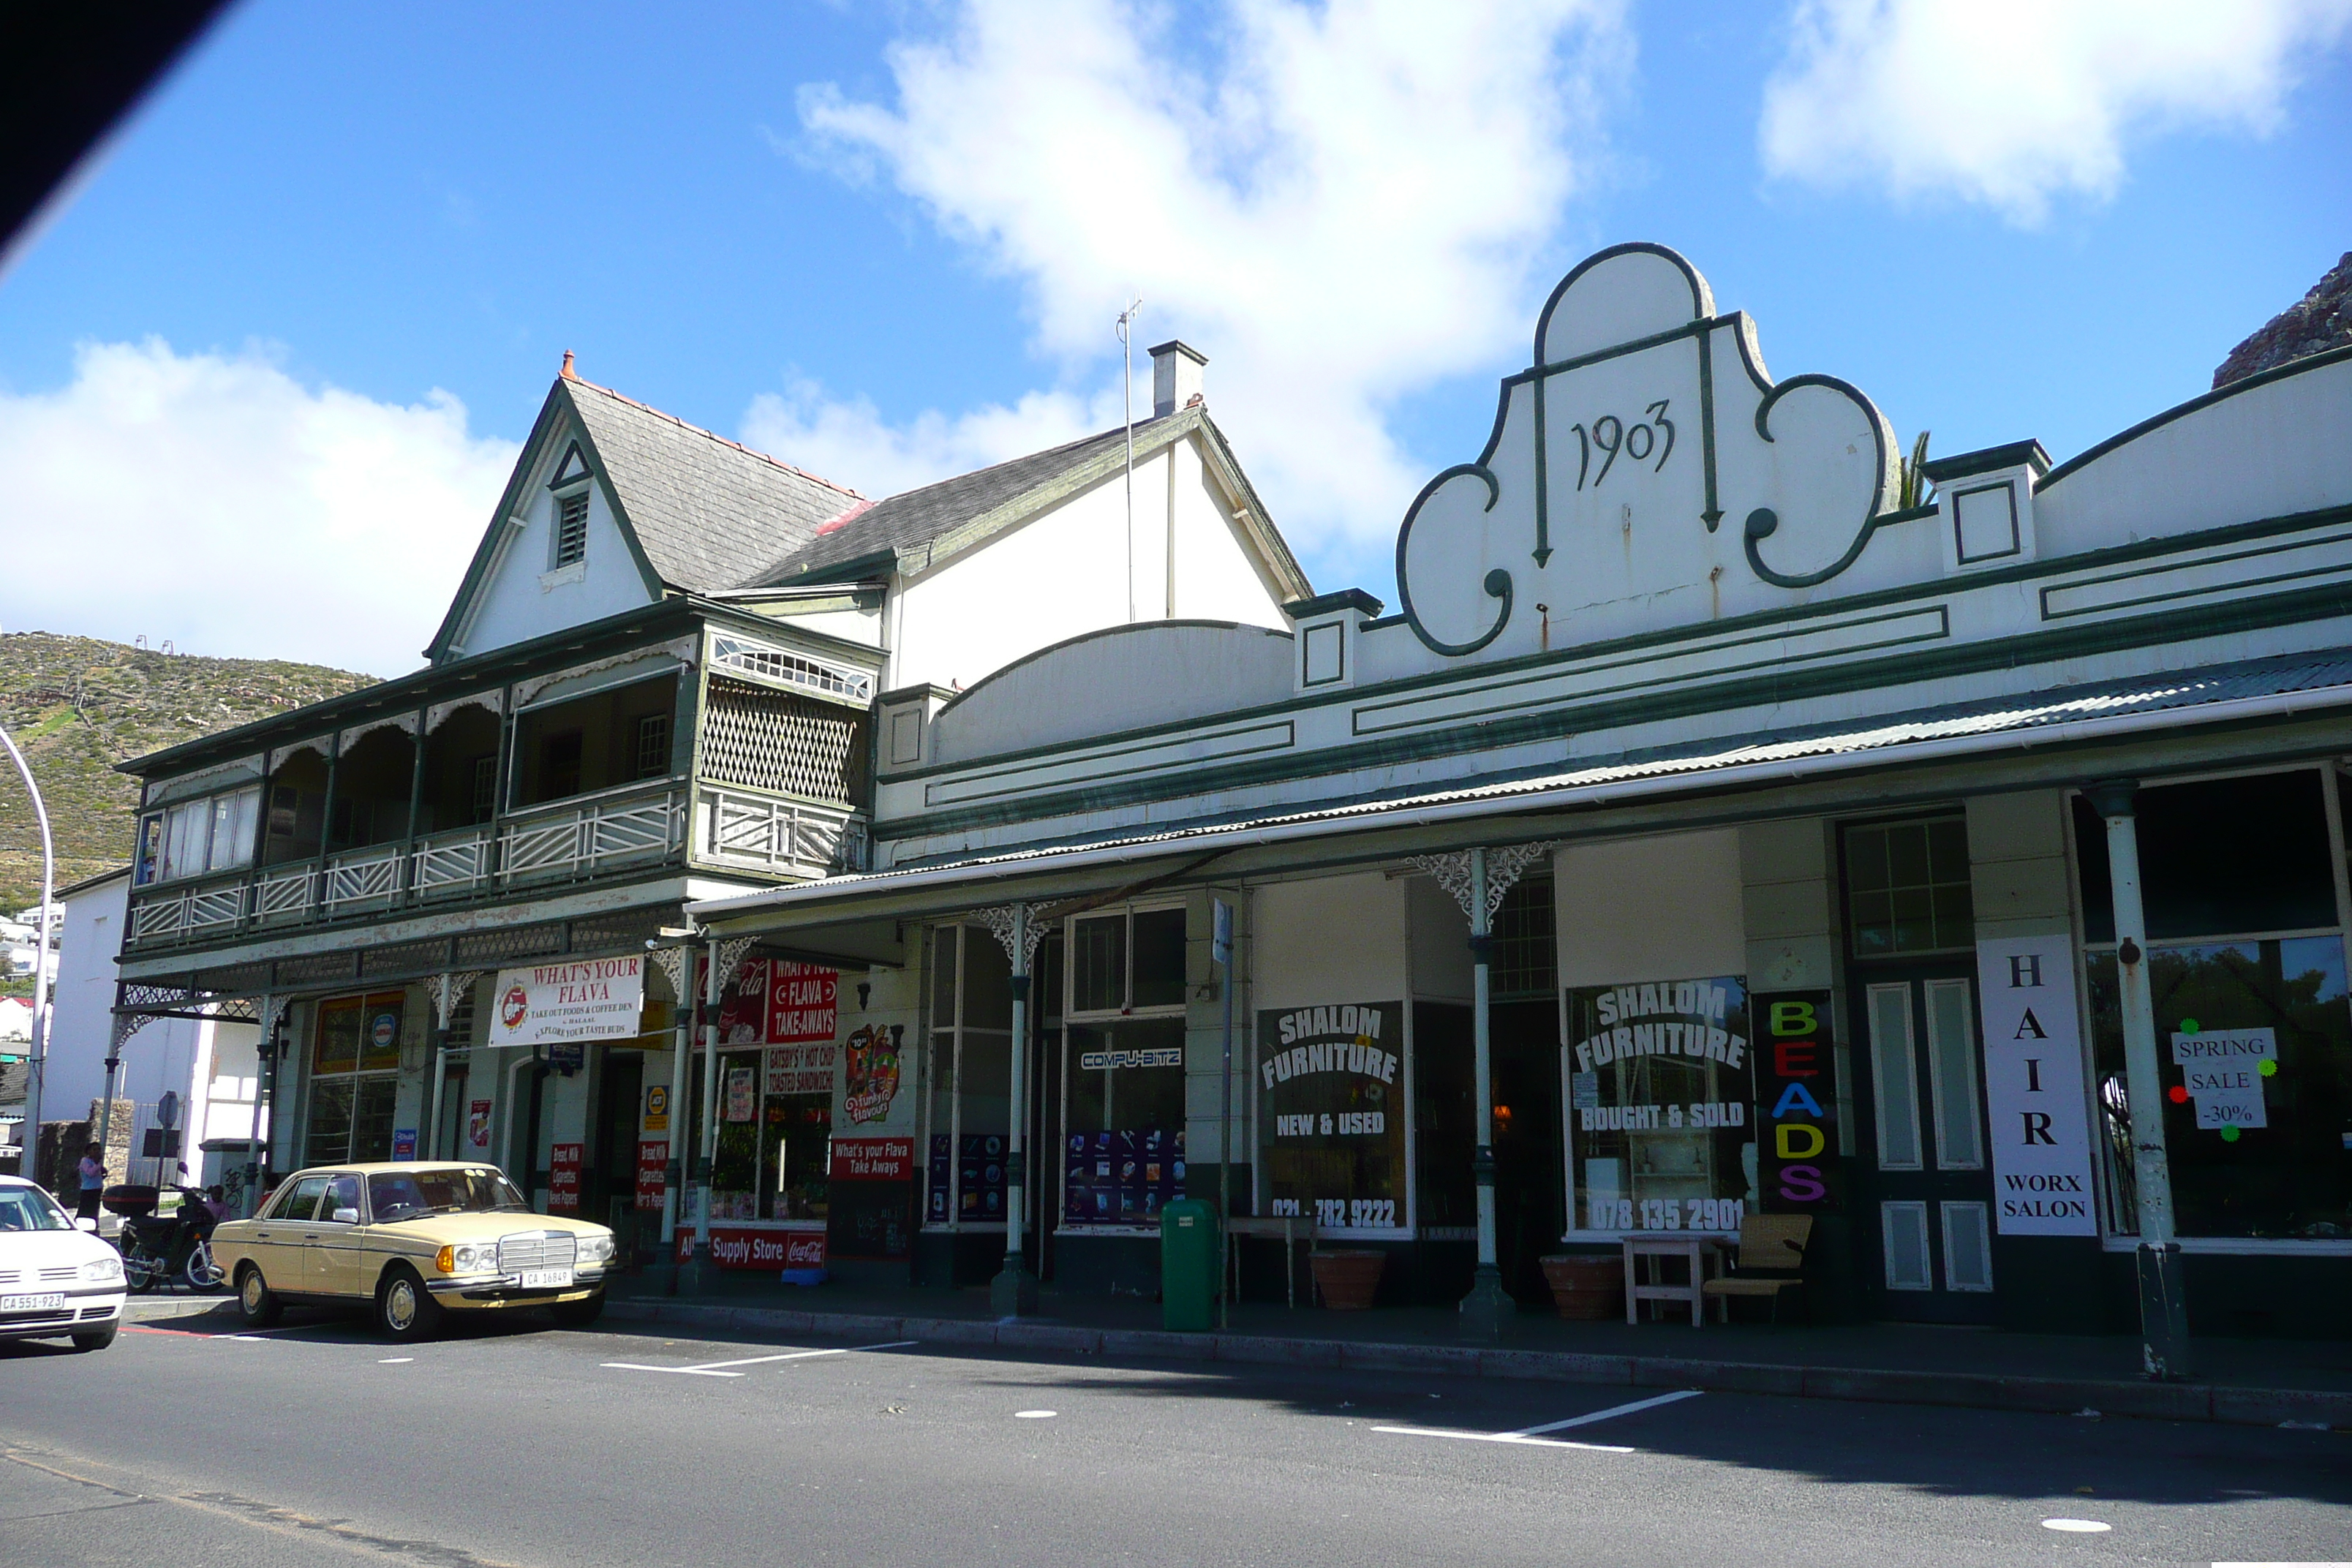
{"points": [[2260, 378], [1963, 658], [2027, 453], [1792, 616], [478, 567], [2048, 614], [1279, 735], [1354, 599]]}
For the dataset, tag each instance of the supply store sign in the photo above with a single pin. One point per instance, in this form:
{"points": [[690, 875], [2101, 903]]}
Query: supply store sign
{"points": [[731, 1247], [1331, 1113], [2033, 1086], [600, 999]]}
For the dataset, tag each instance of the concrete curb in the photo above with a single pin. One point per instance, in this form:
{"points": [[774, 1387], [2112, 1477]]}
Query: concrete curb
{"points": [[1968, 1390], [162, 1309]]}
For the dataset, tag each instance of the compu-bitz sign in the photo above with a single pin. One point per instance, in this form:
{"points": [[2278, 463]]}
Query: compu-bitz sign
{"points": [[597, 999]]}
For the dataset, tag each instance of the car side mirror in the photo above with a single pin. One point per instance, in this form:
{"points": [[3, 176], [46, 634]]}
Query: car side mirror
{"points": [[347, 1216]]}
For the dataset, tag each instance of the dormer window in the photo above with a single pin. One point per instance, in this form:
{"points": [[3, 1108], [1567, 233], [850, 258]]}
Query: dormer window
{"points": [[571, 528]]}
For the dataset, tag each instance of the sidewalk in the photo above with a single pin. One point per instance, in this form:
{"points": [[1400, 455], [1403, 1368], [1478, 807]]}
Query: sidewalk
{"points": [[2253, 1382]]}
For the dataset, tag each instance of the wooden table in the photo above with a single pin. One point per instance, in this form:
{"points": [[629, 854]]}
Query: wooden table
{"points": [[1697, 1251]]}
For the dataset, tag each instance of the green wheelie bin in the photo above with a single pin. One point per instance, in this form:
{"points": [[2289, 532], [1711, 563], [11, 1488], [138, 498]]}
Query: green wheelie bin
{"points": [[1189, 1262]]}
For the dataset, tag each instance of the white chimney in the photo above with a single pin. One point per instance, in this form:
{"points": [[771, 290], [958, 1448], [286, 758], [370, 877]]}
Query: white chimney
{"points": [[1175, 377]]}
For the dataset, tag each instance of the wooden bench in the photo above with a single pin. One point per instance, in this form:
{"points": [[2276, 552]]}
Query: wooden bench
{"points": [[1771, 1259]]}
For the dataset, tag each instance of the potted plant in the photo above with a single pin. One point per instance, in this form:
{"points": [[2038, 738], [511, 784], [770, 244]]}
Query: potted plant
{"points": [[1348, 1276], [1586, 1286]]}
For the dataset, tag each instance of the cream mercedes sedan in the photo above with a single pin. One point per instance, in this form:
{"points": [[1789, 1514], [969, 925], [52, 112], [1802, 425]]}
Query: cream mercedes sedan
{"points": [[411, 1241]]}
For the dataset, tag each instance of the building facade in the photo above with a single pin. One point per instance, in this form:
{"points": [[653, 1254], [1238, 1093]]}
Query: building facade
{"points": [[669, 674], [1706, 834]]}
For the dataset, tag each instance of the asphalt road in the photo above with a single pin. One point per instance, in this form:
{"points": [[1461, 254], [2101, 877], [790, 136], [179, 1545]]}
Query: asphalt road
{"points": [[523, 1444]]}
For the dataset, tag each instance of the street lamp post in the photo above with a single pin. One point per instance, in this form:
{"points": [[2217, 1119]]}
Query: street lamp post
{"points": [[28, 1133]]}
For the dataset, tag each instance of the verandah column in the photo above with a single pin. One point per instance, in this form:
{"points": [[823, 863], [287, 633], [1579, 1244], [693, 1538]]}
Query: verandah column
{"points": [[1479, 880], [2163, 1290], [1014, 1289], [725, 957]]}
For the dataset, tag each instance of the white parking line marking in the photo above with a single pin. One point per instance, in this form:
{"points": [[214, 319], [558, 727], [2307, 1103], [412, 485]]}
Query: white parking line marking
{"points": [[1531, 1436], [395, 1361], [717, 1368], [2077, 1526], [1034, 1415], [1609, 1414]]}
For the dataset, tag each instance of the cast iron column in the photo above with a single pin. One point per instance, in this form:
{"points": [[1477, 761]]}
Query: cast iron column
{"points": [[2163, 1294], [1486, 1308], [1013, 1292]]}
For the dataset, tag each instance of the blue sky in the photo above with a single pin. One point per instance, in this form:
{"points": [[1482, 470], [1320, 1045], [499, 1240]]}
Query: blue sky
{"points": [[277, 350]]}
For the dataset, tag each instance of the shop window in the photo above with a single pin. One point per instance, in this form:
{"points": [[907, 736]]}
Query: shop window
{"points": [[1331, 1113], [1661, 1106], [1906, 887], [355, 1078], [972, 1078], [197, 837], [1525, 959], [772, 1161], [2273, 1156], [1123, 1066], [2220, 857]]}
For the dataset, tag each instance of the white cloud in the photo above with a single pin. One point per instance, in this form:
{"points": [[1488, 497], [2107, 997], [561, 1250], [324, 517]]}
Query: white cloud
{"points": [[1341, 207], [2012, 103], [849, 441], [214, 501]]}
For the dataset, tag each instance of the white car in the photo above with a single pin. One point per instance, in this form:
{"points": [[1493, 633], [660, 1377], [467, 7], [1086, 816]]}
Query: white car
{"points": [[56, 1280]]}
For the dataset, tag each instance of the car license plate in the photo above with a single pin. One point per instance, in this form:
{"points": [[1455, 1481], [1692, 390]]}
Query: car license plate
{"points": [[46, 1303], [547, 1279]]}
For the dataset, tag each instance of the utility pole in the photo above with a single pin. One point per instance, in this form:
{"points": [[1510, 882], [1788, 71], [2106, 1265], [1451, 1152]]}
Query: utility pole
{"points": [[28, 1133], [1126, 381]]}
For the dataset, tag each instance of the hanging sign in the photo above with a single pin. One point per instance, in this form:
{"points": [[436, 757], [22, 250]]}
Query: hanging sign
{"points": [[800, 1069], [1796, 1102], [657, 1116], [596, 999], [2033, 1086], [403, 1143]]}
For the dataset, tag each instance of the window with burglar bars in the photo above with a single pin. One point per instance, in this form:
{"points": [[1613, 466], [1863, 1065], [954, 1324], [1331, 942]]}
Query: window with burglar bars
{"points": [[1526, 959], [572, 529], [775, 741]]}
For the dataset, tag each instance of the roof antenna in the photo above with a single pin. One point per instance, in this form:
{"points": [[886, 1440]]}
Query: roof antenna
{"points": [[1127, 375]]}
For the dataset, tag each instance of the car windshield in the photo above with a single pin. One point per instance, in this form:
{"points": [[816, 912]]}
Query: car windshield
{"points": [[29, 1208], [396, 1196]]}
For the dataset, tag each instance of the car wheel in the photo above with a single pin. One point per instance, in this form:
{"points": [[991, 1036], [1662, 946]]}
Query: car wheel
{"points": [[97, 1340], [404, 1308], [579, 1314], [256, 1301]]}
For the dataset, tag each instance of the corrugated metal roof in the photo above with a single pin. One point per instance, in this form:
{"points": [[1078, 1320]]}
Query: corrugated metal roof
{"points": [[2328, 676]]}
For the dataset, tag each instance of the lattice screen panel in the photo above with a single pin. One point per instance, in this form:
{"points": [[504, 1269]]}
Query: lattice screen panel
{"points": [[775, 741]]}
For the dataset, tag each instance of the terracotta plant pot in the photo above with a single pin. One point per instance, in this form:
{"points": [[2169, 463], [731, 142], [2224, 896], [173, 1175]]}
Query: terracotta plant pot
{"points": [[1348, 1278], [1586, 1288]]}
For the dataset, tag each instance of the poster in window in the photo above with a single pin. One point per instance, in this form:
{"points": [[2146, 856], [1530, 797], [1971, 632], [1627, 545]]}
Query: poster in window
{"points": [[1331, 1113], [477, 1124], [1660, 1086], [742, 1094]]}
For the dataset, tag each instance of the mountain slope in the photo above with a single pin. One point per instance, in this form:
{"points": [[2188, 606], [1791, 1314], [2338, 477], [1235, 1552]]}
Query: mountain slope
{"points": [[77, 706]]}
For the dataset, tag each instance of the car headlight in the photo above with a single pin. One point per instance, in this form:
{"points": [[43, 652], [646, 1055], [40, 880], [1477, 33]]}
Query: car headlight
{"points": [[595, 1248], [102, 1271], [468, 1257]]}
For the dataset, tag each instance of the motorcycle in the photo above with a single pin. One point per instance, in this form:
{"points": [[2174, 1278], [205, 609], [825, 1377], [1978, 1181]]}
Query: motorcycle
{"points": [[161, 1251]]}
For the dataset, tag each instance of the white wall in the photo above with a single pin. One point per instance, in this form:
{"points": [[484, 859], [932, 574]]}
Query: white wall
{"points": [[1329, 939], [514, 606], [1441, 942], [1064, 572], [1650, 908]]}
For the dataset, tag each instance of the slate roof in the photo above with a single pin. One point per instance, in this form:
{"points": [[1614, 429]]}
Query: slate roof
{"points": [[709, 512], [908, 520]]}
